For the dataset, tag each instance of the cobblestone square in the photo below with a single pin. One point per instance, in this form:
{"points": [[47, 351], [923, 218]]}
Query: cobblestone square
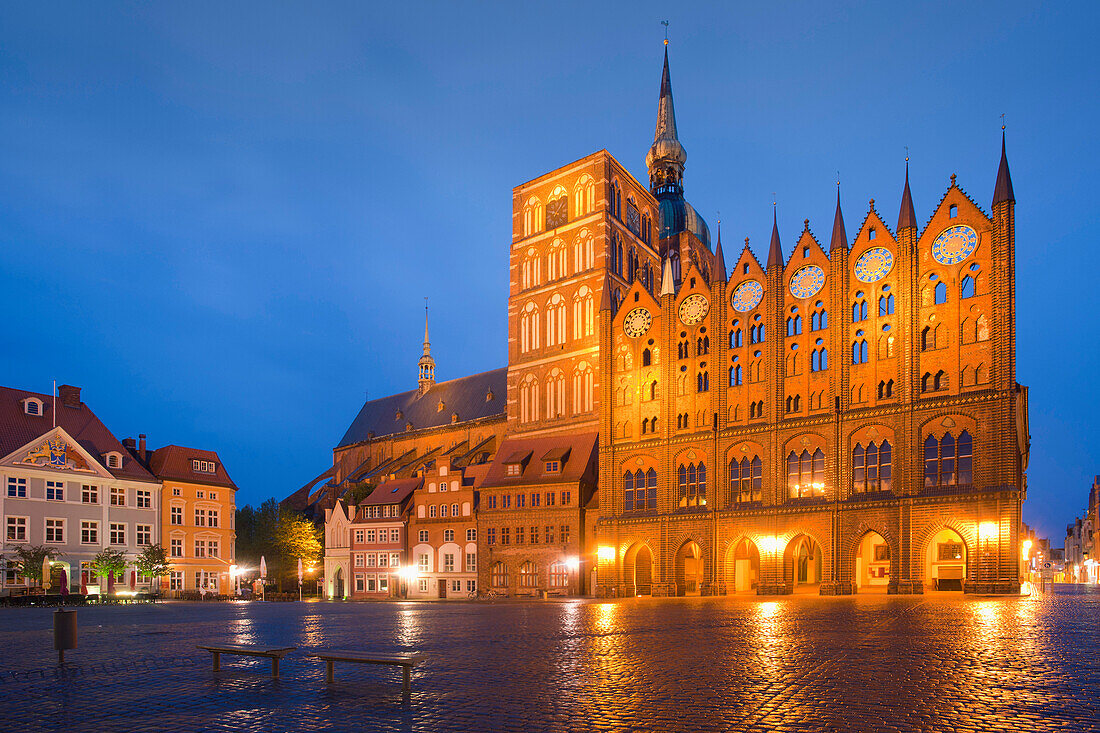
{"points": [[866, 663]]}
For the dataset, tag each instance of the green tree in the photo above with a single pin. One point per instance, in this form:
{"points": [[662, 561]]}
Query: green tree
{"points": [[153, 561], [295, 537], [28, 560], [109, 560], [358, 492]]}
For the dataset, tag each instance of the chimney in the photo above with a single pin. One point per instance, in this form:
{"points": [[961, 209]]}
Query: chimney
{"points": [[141, 447], [129, 444], [70, 395]]}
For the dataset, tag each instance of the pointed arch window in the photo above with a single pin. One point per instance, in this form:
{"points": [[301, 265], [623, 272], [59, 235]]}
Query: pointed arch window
{"points": [[499, 575], [529, 328], [736, 376], [941, 293], [947, 461], [639, 490], [702, 345], [702, 382], [859, 308], [582, 389], [886, 389], [737, 337], [819, 320], [756, 334], [860, 351], [967, 288], [806, 474], [871, 467], [819, 360], [692, 484], [794, 325], [746, 480], [529, 399], [886, 305]]}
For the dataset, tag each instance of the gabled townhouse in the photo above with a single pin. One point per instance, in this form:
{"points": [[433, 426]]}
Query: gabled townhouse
{"points": [[70, 484]]}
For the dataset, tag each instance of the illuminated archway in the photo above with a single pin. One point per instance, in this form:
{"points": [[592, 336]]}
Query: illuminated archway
{"points": [[338, 584], [742, 567], [945, 560], [872, 564], [638, 569], [689, 569], [802, 564]]}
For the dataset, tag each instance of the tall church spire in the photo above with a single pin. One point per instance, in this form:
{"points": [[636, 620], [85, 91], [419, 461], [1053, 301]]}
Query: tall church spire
{"points": [[1003, 190], [427, 363], [775, 254], [907, 217], [666, 156], [840, 237], [719, 257]]}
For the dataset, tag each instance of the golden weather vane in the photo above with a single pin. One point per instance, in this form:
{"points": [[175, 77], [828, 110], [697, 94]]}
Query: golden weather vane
{"points": [[665, 24]]}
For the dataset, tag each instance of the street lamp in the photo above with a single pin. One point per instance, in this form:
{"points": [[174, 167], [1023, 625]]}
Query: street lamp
{"points": [[408, 575]]}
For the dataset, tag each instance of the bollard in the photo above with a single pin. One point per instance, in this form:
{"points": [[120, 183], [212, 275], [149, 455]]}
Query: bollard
{"points": [[64, 632]]}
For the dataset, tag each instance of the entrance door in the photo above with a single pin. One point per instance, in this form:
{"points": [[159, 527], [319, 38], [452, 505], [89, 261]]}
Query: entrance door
{"points": [[442, 588], [643, 572]]}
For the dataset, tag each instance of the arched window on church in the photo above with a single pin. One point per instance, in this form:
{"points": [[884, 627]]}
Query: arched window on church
{"points": [[555, 320], [736, 376], [702, 382], [692, 484], [859, 308], [555, 394], [886, 304], [806, 474], [583, 313], [529, 328], [616, 200], [556, 261], [529, 399], [583, 255], [582, 389], [967, 288], [941, 293]]}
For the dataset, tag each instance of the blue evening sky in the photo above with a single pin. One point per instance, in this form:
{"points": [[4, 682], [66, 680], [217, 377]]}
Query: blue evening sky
{"points": [[221, 219]]}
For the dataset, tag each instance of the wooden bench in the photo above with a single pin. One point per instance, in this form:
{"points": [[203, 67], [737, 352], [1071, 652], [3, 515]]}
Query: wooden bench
{"points": [[275, 655], [405, 661]]}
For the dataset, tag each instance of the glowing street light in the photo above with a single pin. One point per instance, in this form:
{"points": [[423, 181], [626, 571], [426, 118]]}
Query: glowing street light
{"points": [[573, 563], [606, 553], [987, 531]]}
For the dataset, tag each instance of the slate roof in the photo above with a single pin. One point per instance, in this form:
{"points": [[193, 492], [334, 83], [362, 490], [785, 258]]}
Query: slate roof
{"points": [[465, 396], [18, 428], [174, 463], [533, 452]]}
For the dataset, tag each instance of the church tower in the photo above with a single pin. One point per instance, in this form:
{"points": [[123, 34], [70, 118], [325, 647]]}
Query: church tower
{"points": [[427, 363]]}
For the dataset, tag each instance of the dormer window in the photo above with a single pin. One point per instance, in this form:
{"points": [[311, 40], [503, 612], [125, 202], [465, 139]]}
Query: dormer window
{"points": [[489, 396], [204, 466], [32, 406], [513, 469], [553, 466], [114, 460]]}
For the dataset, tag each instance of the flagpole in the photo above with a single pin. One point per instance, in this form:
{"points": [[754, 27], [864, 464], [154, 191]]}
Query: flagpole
{"points": [[55, 403]]}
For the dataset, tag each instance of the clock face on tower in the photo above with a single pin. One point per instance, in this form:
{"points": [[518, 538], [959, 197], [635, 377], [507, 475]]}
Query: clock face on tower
{"points": [[693, 309], [954, 244], [637, 322], [807, 281], [874, 264], [747, 296]]}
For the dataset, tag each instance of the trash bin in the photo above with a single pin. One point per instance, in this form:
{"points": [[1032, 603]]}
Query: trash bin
{"points": [[64, 632], [543, 595]]}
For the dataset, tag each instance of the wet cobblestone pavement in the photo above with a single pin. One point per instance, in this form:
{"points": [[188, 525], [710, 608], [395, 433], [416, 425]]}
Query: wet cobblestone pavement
{"points": [[867, 663]]}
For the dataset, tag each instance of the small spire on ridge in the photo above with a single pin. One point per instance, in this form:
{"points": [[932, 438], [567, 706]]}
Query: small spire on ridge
{"points": [[775, 254], [907, 218], [719, 258], [1003, 190], [840, 237]]}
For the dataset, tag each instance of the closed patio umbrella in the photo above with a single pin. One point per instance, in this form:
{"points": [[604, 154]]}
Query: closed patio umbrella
{"points": [[64, 583], [133, 580], [83, 582], [263, 568], [46, 573]]}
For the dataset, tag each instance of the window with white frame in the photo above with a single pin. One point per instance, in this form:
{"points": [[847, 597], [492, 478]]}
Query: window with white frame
{"points": [[17, 529], [454, 510], [359, 535], [471, 535], [360, 583], [471, 586], [395, 535], [372, 583], [143, 533], [423, 585], [17, 487], [212, 548], [89, 532], [89, 494], [383, 584], [471, 562], [176, 548], [383, 560], [118, 496], [55, 530], [212, 516], [177, 492], [200, 517], [114, 460], [371, 535], [359, 559], [422, 562], [395, 559], [448, 562], [175, 580], [176, 515], [144, 499], [212, 495], [203, 466], [118, 533], [200, 548], [448, 535], [200, 494], [55, 491], [456, 586], [422, 535]]}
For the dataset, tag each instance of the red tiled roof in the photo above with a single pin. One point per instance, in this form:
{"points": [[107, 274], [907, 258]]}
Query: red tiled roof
{"points": [[18, 428], [174, 463], [578, 449], [393, 492]]}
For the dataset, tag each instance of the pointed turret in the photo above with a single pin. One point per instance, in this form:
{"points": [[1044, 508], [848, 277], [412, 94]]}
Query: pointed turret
{"points": [[908, 217], [427, 363], [775, 254], [840, 237], [1003, 190], [605, 297], [719, 258], [668, 287]]}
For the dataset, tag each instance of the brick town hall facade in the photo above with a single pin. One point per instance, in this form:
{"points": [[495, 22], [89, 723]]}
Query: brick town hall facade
{"points": [[841, 418]]}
